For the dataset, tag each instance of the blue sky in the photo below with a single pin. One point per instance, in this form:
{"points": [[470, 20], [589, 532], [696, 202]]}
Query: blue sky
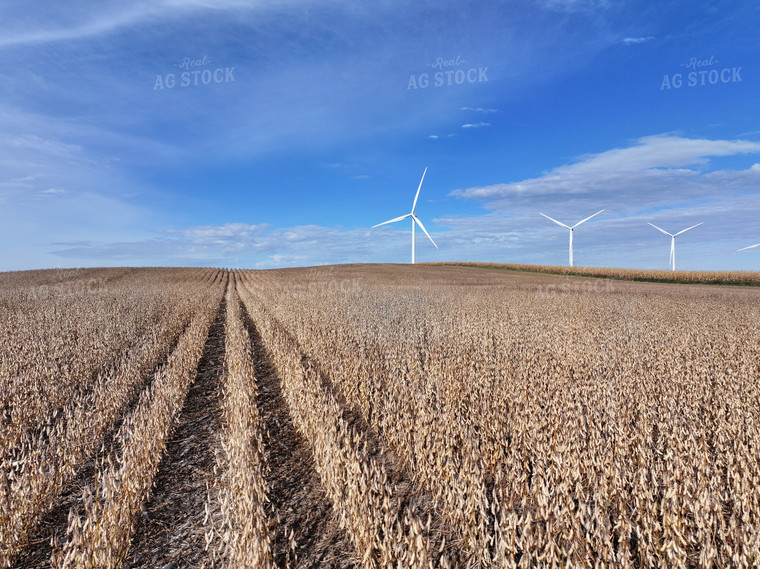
{"points": [[300, 124]]}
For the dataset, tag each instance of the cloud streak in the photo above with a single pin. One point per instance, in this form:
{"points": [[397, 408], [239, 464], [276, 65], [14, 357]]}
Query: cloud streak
{"points": [[479, 110], [87, 20], [639, 40], [252, 245], [656, 166]]}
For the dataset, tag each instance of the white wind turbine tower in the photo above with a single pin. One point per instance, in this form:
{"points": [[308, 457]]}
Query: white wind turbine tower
{"points": [[673, 241], [571, 229], [414, 217]]}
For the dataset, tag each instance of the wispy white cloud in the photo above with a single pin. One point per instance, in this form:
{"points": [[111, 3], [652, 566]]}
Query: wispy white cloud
{"points": [[79, 23], [88, 19], [666, 179], [198, 244], [520, 235], [47, 147], [654, 167], [637, 40], [476, 125], [255, 245], [517, 234], [479, 110], [575, 5]]}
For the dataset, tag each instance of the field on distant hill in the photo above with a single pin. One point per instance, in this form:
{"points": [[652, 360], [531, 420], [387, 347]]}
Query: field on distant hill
{"points": [[751, 278], [376, 416]]}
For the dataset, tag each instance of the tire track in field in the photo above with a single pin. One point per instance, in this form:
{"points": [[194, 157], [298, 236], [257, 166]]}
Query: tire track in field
{"points": [[35, 554], [409, 491], [170, 532], [298, 503], [412, 496]]}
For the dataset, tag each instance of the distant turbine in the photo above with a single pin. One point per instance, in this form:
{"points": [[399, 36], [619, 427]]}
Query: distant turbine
{"points": [[571, 229], [673, 241], [414, 217]]}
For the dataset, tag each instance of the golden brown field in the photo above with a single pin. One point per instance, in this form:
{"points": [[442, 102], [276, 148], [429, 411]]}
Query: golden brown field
{"points": [[376, 416], [749, 278]]}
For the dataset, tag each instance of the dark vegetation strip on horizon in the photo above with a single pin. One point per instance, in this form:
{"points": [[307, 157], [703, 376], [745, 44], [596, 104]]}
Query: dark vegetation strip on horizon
{"points": [[741, 278]]}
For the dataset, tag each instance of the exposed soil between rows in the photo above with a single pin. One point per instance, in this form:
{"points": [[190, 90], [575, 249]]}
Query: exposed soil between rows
{"points": [[297, 501], [170, 532], [53, 524], [410, 494]]}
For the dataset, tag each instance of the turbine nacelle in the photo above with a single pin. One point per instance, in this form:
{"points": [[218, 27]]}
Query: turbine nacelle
{"points": [[571, 229], [673, 236], [415, 219]]}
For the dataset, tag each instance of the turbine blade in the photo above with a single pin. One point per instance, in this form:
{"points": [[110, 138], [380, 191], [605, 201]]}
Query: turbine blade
{"points": [[692, 227], [750, 247], [393, 220], [589, 217], [662, 230], [555, 221], [418, 190], [425, 230]]}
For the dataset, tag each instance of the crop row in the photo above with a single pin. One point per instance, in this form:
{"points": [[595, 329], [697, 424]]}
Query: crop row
{"points": [[588, 430], [239, 536], [100, 537], [44, 459], [386, 531], [42, 343]]}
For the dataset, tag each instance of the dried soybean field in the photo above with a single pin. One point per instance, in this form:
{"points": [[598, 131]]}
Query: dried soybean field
{"points": [[376, 416]]}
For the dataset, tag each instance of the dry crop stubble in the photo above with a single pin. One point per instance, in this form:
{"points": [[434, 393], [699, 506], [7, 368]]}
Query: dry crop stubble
{"points": [[240, 538], [554, 422], [41, 339], [386, 531], [101, 537], [751, 278], [610, 428], [43, 449]]}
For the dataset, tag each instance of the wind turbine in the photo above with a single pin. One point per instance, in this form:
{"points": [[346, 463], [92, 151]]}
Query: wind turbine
{"points": [[750, 247], [571, 229], [414, 217], [673, 241]]}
